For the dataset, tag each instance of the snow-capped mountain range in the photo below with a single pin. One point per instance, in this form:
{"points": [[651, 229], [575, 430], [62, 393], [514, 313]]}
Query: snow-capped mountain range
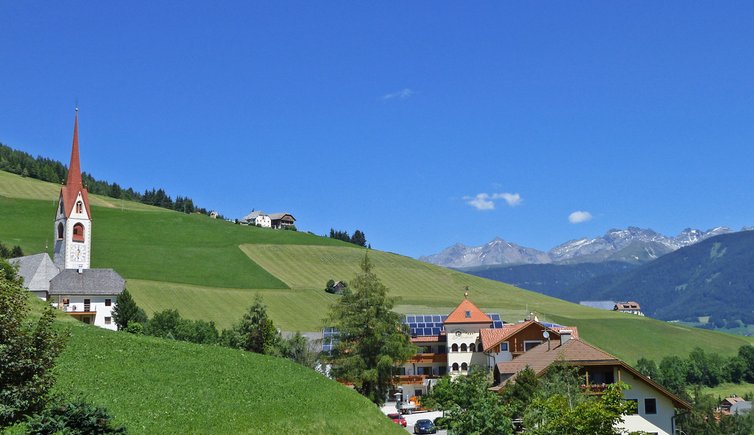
{"points": [[636, 245]]}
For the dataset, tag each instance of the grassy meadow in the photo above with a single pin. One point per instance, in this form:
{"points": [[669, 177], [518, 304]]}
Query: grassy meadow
{"points": [[210, 270], [154, 385]]}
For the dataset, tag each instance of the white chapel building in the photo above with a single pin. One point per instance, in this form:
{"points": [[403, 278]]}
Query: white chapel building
{"points": [[67, 281]]}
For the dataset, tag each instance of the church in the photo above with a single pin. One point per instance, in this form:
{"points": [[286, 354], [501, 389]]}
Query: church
{"points": [[67, 281]]}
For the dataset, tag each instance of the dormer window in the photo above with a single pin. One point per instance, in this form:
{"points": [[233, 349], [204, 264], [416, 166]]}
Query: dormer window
{"points": [[79, 207], [78, 233]]}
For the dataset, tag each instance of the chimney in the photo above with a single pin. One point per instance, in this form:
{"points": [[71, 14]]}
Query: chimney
{"points": [[565, 335]]}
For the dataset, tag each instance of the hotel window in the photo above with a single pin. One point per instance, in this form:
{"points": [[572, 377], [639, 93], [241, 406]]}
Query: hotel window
{"points": [[650, 406], [504, 347], [108, 320], [108, 302]]}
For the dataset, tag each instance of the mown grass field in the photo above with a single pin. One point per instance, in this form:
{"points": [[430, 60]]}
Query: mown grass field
{"points": [[210, 270]]}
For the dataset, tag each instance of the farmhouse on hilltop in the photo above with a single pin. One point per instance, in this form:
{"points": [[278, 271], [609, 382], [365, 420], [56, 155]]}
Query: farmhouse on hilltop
{"points": [[68, 283], [273, 220]]}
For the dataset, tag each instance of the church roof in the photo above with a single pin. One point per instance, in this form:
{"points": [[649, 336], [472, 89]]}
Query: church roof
{"points": [[36, 270], [74, 183], [87, 282], [467, 312]]}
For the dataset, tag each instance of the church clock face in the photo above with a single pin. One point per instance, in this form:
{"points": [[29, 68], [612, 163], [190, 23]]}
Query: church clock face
{"points": [[78, 253]]}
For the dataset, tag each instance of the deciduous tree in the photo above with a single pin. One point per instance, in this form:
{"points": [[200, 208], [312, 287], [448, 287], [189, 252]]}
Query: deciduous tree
{"points": [[27, 352]]}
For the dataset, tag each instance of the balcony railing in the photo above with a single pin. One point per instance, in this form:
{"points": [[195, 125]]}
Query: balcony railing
{"points": [[78, 308], [594, 388]]}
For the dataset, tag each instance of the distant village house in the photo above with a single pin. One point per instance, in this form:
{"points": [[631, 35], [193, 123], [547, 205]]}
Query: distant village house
{"points": [[264, 220]]}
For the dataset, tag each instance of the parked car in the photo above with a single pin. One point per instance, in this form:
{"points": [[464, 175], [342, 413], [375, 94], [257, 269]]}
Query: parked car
{"points": [[397, 418], [424, 426]]}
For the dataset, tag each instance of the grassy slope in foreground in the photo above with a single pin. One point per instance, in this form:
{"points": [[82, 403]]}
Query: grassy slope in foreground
{"points": [[163, 386]]}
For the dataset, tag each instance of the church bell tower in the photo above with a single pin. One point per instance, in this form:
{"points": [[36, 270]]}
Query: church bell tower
{"points": [[73, 219]]}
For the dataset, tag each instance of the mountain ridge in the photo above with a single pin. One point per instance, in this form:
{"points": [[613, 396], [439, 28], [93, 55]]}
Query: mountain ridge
{"points": [[631, 245]]}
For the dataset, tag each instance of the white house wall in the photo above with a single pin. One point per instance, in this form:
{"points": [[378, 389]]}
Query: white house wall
{"points": [[640, 391], [97, 304]]}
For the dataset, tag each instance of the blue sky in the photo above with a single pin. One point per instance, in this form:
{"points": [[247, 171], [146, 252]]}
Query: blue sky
{"points": [[421, 123]]}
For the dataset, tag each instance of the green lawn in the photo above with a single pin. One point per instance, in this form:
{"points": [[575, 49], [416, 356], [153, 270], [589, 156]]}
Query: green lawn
{"points": [[163, 386], [728, 389]]}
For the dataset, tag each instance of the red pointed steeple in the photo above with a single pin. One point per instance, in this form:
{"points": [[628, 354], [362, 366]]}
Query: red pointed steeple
{"points": [[74, 168], [74, 183]]}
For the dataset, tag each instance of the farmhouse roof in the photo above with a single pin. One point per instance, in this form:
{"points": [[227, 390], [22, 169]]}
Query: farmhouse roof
{"points": [[37, 270], [73, 183], [253, 215], [627, 306], [87, 282], [277, 216], [467, 312]]}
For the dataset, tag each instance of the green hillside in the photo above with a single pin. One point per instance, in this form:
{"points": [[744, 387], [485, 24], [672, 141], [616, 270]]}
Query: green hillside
{"points": [[162, 386], [210, 270]]}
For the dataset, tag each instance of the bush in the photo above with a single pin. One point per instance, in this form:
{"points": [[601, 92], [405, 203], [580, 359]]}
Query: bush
{"points": [[78, 417]]}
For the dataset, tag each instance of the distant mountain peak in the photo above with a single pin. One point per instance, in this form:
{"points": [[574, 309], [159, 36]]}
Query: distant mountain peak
{"points": [[632, 244]]}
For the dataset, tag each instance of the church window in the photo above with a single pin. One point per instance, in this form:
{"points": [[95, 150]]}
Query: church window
{"points": [[463, 347], [60, 231], [79, 207], [464, 367], [61, 207], [78, 233], [472, 347], [455, 367], [454, 348]]}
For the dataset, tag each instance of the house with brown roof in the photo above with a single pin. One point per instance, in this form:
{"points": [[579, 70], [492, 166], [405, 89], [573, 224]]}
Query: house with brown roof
{"points": [[656, 406], [629, 307], [514, 339]]}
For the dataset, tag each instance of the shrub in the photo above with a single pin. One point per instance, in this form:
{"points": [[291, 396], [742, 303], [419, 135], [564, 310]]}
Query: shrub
{"points": [[78, 417]]}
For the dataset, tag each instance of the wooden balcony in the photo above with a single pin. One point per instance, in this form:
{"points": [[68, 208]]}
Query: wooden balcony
{"points": [[429, 358], [413, 379], [594, 389]]}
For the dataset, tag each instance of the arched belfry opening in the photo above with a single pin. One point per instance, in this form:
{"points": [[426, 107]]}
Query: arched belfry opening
{"points": [[61, 230], [78, 232]]}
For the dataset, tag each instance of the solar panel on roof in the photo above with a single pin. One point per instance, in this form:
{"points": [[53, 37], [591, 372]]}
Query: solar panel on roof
{"points": [[436, 319], [410, 319]]}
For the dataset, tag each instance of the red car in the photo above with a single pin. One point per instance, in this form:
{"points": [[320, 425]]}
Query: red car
{"points": [[397, 418]]}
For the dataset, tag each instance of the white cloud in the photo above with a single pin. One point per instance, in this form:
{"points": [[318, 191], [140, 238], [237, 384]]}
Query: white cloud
{"points": [[485, 201], [579, 216], [513, 199], [398, 95]]}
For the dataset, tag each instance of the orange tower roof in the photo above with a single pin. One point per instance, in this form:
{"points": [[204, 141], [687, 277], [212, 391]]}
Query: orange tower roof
{"points": [[467, 312], [73, 183]]}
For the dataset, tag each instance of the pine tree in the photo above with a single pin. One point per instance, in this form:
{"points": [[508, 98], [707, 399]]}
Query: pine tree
{"points": [[371, 337], [256, 332], [126, 311]]}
